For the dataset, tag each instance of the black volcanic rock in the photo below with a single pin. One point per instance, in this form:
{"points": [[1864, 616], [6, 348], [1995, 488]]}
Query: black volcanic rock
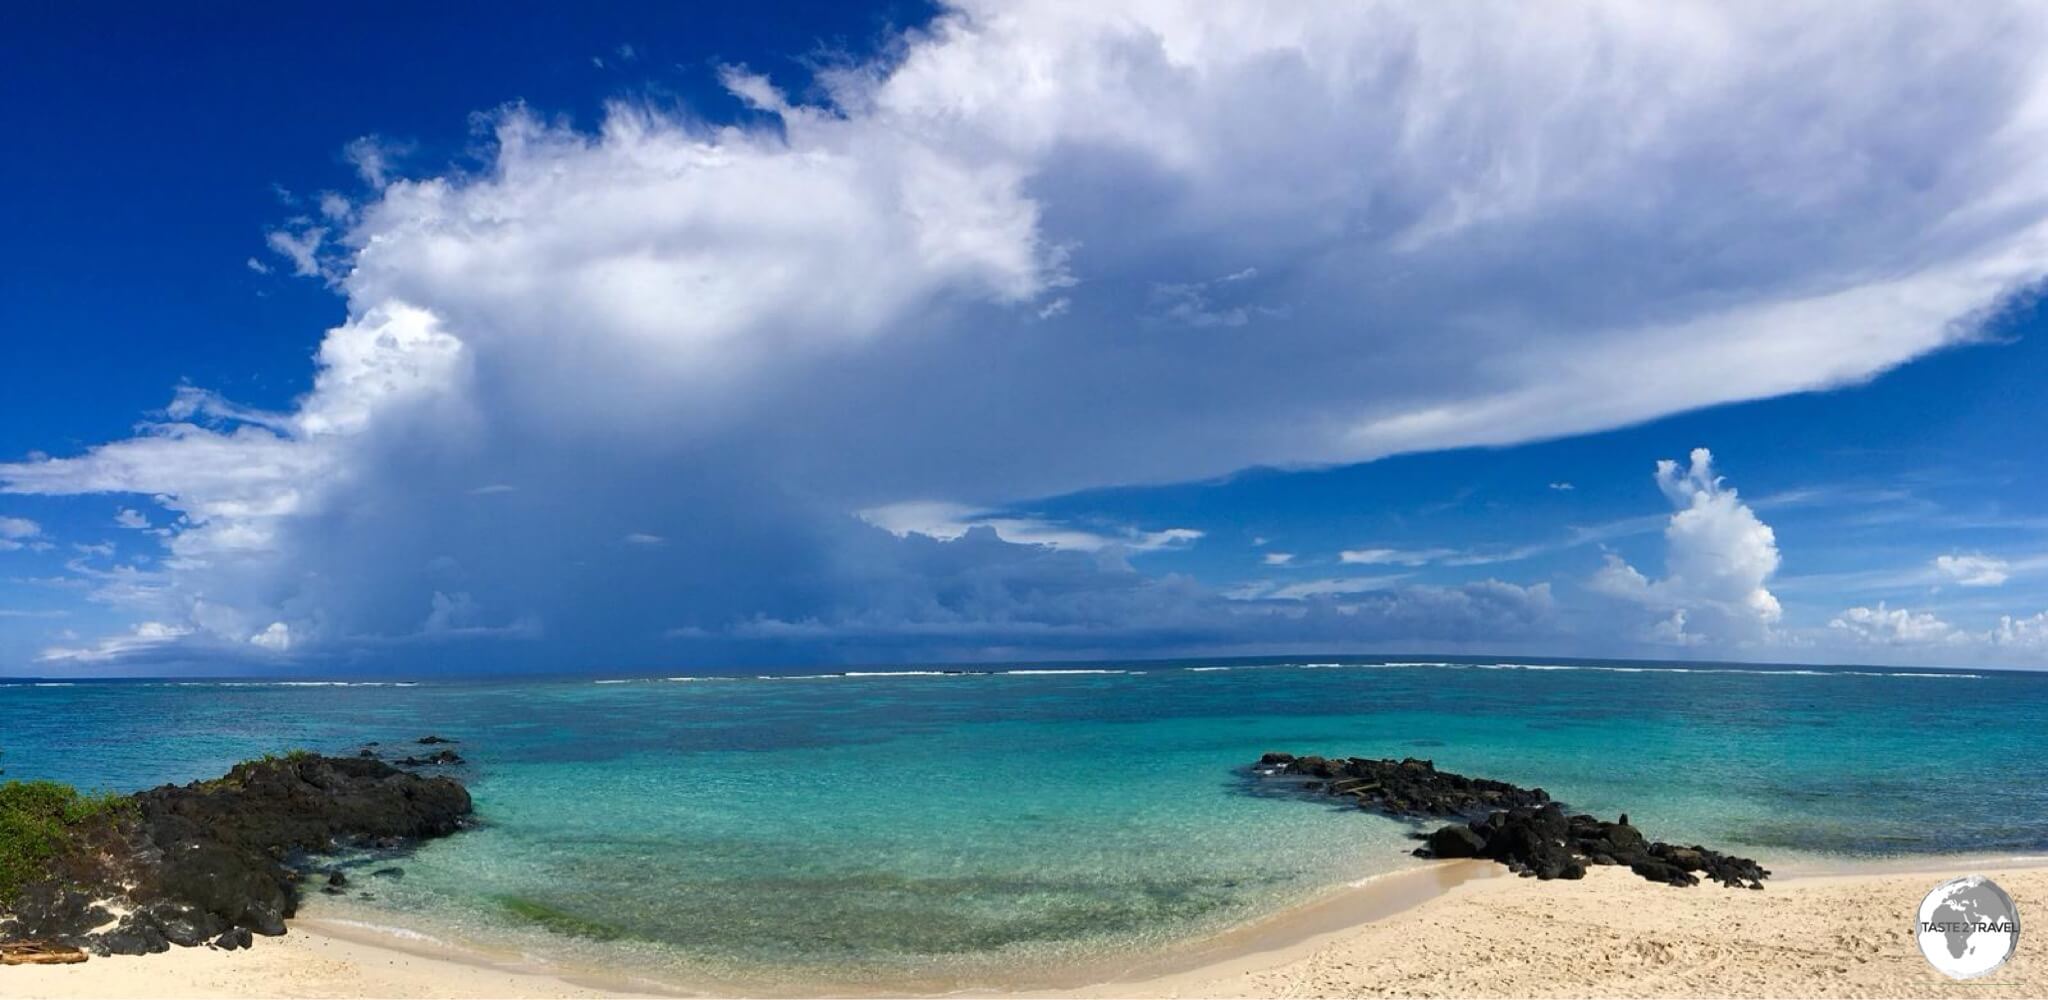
{"points": [[206, 863], [435, 759], [1455, 841], [1408, 787], [1521, 828]]}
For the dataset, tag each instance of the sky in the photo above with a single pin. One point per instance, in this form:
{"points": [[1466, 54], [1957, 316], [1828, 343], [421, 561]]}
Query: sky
{"points": [[531, 338]]}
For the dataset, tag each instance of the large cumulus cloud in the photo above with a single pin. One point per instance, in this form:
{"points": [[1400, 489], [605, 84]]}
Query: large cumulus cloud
{"points": [[626, 390], [1719, 559]]}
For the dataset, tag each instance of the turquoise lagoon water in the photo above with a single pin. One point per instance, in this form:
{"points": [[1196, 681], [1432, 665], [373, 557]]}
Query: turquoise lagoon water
{"points": [[934, 830]]}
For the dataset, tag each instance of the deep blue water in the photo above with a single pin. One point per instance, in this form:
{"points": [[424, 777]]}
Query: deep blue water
{"points": [[940, 829]]}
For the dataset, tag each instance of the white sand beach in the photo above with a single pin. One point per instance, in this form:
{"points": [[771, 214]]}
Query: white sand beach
{"points": [[1614, 935], [1485, 935]]}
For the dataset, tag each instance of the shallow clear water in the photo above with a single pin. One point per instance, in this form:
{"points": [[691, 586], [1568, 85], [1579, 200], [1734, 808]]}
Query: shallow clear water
{"points": [[938, 830]]}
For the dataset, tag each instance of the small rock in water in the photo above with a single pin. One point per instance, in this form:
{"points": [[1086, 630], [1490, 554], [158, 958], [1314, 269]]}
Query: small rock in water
{"points": [[391, 872], [431, 740], [438, 758]]}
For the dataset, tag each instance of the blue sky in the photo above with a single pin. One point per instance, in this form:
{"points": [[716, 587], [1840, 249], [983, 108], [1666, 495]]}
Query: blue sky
{"points": [[536, 338]]}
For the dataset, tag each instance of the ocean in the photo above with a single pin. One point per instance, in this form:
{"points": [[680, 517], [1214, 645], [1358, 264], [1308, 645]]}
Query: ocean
{"points": [[922, 829]]}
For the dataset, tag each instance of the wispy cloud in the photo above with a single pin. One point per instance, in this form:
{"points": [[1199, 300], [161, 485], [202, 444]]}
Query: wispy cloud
{"points": [[147, 635], [1973, 570], [948, 521], [16, 532]]}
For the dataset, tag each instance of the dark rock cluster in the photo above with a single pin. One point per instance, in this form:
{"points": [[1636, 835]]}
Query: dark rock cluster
{"points": [[1406, 788], [439, 758], [212, 862], [1519, 827]]}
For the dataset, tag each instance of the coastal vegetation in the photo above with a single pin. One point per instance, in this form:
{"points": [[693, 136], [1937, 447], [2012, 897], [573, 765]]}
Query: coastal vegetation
{"points": [[44, 824], [211, 862]]}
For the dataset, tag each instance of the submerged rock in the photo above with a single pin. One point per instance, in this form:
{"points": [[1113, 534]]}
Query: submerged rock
{"points": [[438, 758], [1521, 828]]}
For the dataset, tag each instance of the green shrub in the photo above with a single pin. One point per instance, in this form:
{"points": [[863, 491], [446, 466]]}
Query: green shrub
{"points": [[40, 821]]}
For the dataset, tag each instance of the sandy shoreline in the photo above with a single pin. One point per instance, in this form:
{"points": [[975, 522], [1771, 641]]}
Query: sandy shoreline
{"points": [[1459, 929]]}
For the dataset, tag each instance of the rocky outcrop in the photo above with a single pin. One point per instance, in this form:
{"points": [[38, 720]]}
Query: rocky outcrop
{"points": [[1518, 827], [1406, 788], [213, 862]]}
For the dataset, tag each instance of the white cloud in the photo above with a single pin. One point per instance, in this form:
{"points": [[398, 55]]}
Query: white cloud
{"points": [[2029, 633], [1278, 558], [750, 331], [1562, 486], [374, 158], [1194, 303], [1895, 627], [257, 266], [1972, 570], [2017, 640], [144, 636], [129, 517], [1401, 557], [1329, 586], [301, 247], [335, 207], [448, 612], [1671, 631], [275, 637], [643, 538], [1718, 559], [15, 533], [949, 521]]}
